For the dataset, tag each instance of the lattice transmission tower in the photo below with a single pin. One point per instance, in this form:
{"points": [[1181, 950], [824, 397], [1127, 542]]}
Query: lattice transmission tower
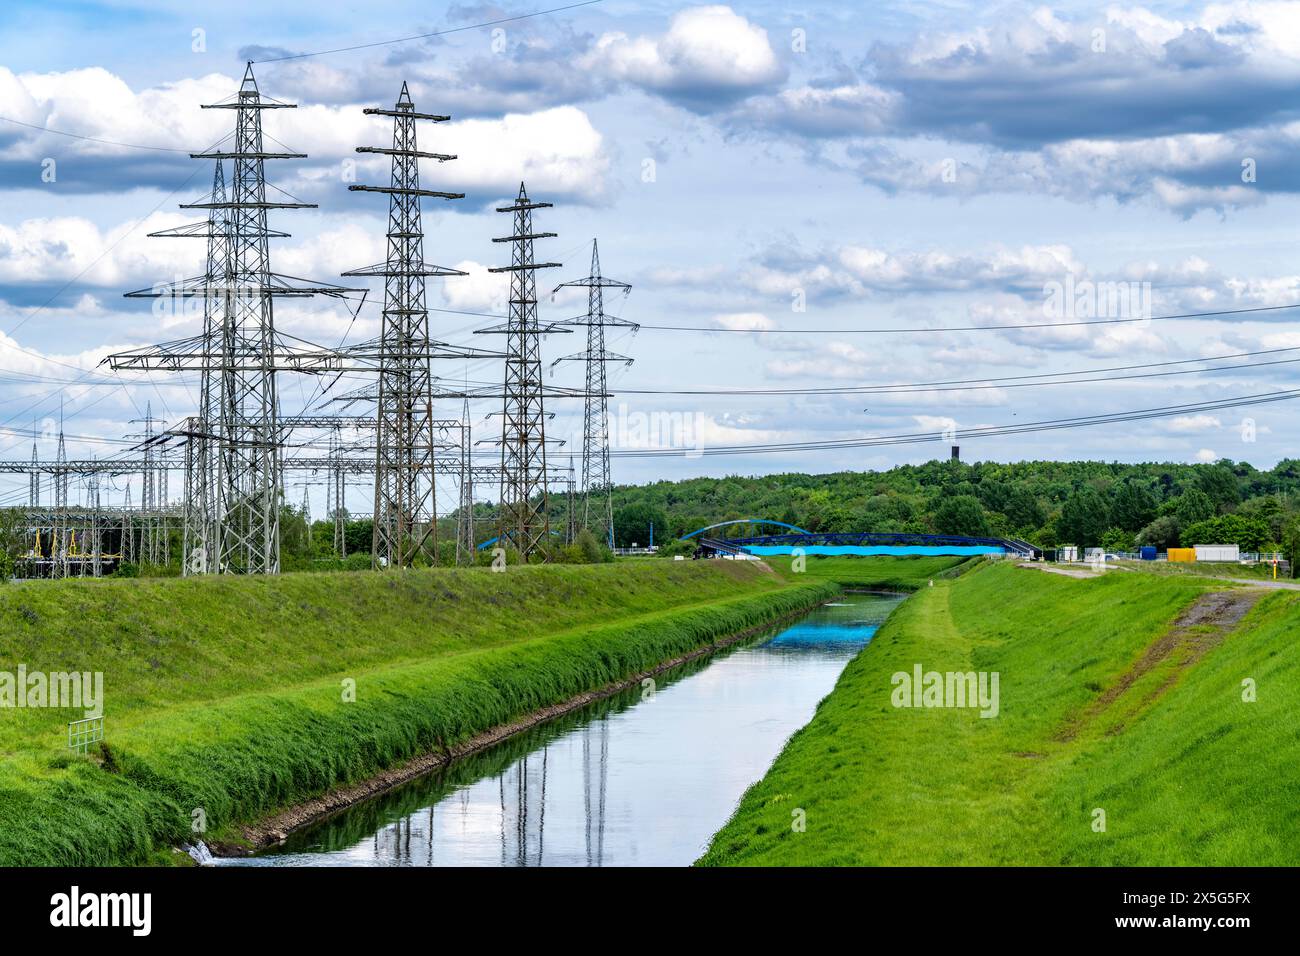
{"points": [[201, 531], [241, 356], [405, 515], [596, 477], [465, 514], [524, 517]]}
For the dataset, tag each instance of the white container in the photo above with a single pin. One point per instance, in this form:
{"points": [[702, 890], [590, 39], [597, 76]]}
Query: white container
{"points": [[1218, 552]]}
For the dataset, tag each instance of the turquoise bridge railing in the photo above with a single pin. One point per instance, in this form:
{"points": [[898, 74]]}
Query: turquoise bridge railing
{"points": [[874, 543]]}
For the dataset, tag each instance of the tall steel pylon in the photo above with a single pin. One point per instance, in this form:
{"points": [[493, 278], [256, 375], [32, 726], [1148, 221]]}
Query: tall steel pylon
{"points": [[249, 482], [596, 476], [465, 516], [153, 494], [247, 475], [59, 547], [201, 533], [524, 517], [34, 477], [405, 518]]}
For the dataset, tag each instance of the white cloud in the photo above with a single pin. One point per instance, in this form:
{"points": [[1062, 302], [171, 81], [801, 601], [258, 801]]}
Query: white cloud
{"points": [[1194, 423], [556, 151], [709, 54], [478, 291], [748, 321]]}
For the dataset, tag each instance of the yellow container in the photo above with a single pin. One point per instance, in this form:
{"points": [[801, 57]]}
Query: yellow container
{"points": [[1182, 554]]}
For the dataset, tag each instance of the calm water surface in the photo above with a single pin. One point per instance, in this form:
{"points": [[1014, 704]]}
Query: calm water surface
{"points": [[643, 778]]}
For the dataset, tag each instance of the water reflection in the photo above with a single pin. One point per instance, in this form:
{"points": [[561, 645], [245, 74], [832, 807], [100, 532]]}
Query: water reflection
{"points": [[640, 778]]}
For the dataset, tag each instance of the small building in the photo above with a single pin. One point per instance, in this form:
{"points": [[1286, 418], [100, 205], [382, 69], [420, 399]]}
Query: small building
{"points": [[1182, 554], [1218, 552]]}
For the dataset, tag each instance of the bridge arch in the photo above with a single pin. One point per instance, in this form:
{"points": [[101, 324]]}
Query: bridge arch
{"points": [[723, 524]]}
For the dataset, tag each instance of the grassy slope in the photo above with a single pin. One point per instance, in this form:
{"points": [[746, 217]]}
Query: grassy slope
{"points": [[1198, 776], [225, 694], [899, 574], [1203, 569]]}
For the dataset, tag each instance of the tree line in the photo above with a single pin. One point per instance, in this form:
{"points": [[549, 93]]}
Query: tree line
{"points": [[1048, 503]]}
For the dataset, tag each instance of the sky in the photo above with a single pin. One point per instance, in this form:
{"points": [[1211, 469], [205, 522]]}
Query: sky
{"points": [[783, 182]]}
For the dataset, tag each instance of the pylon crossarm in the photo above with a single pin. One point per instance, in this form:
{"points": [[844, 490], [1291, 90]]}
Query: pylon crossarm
{"points": [[526, 267], [547, 329], [248, 204], [204, 230], [405, 114], [417, 154], [531, 235], [231, 154], [414, 269], [406, 191]]}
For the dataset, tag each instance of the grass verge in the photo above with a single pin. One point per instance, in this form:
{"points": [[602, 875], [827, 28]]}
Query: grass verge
{"points": [[1185, 770], [229, 697]]}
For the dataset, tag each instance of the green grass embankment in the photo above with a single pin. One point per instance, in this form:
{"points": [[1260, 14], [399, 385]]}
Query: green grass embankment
{"points": [[1185, 771], [883, 573], [228, 694]]}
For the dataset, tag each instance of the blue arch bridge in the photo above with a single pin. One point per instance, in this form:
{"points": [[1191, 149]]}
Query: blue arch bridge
{"points": [[851, 543]]}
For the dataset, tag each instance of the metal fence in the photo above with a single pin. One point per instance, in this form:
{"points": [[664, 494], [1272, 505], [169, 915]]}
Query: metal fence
{"points": [[83, 733]]}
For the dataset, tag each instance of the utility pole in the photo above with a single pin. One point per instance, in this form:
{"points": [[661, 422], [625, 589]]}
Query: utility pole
{"points": [[524, 518], [405, 518], [596, 477]]}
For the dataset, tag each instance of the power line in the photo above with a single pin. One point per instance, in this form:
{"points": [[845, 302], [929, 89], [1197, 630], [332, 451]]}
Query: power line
{"points": [[435, 33], [973, 328], [93, 139], [1006, 381], [947, 328], [1142, 414]]}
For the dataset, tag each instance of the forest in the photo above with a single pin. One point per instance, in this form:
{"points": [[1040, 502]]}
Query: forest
{"points": [[1087, 503]]}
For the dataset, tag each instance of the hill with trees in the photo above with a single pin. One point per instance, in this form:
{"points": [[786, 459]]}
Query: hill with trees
{"points": [[1086, 503]]}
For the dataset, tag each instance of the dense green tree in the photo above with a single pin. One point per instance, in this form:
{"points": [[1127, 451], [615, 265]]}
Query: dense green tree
{"points": [[295, 537], [1132, 507], [1291, 545], [1117, 539], [1023, 509], [1252, 534], [632, 525], [1267, 508], [961, 514], [1192, 506], [1162, 533], [1084, 518], [1220, 482]]}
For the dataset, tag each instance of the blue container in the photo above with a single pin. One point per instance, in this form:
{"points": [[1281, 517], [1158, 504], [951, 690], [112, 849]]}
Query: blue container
{"points": [[1148, 554]]}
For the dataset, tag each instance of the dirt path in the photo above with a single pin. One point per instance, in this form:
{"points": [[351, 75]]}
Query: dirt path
{"points": [[1204, 625]]}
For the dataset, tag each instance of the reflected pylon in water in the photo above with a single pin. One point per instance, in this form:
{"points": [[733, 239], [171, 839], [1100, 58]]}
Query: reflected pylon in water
{"points": [[394, 841], [594, 779], [523, 811]]}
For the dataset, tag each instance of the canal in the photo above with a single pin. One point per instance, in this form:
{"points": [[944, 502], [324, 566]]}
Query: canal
{"points": [[642, 778]]}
